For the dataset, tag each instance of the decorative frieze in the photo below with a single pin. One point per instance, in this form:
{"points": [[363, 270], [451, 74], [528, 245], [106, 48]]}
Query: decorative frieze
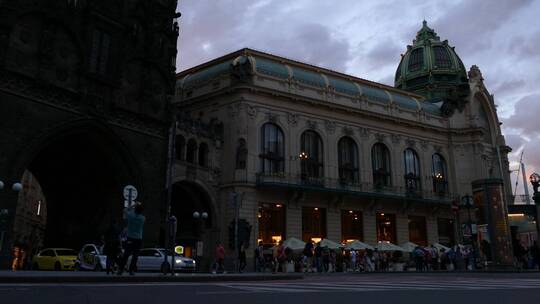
{"points": [[330, 126], [311, 124], [292, 119]]}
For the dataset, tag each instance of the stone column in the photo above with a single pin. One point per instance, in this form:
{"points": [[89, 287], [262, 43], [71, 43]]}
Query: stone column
{"points": [[432, 229], [402, 228], [333, 225], [293, 217]]}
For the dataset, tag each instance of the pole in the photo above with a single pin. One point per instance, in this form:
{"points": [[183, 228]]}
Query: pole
{"points": [[473, 243], [525, 188], [170, 173]]}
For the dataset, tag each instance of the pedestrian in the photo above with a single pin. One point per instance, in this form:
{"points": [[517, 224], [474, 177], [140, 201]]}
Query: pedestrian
{"points": [[112, 245], [220, 258], [259, 258], [535, 255], [135, 223], [326, 258], [241, 258], [308, 253], [318, 257], [418, 255], [353, 260]]}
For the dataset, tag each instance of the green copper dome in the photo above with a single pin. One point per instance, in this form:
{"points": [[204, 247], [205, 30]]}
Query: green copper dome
{"points": [[431, 68]]}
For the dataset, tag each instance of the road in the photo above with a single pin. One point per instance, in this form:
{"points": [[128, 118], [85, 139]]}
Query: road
{"points": [[379, 288]]}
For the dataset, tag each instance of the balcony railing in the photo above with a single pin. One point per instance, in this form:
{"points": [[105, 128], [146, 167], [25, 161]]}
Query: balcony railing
{"points": [[337, 185]]}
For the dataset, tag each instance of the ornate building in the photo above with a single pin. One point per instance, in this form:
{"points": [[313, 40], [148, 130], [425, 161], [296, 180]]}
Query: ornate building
{"points": [[85, 92], [311, 153]]}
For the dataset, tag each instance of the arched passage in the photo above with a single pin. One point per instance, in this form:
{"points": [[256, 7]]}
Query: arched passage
{"points": [[189, 197], [81, 173]]}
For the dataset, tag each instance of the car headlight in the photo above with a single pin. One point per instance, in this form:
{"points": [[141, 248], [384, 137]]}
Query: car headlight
{"points": [[178, 261]]}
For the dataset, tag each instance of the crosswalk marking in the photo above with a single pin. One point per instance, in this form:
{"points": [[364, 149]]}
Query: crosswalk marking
{"points": [[361, 286]]}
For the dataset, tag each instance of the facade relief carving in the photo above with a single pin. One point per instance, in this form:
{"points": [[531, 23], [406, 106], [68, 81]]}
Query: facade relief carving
{"points": [[311, 124], [292, 119], [330, 126]]}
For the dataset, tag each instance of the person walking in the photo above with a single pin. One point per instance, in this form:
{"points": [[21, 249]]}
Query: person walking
{"points": [[259, 258], [112, 245], [318, 257], [220, 258], [135, 224], [308, 253], [241, 258]]}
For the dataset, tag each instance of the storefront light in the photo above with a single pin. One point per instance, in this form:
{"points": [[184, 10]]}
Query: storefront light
{"points": [[278, 205], [316, 239], [382, 214], [316, 209], [276, 238], [350, 211], [516, 214]]}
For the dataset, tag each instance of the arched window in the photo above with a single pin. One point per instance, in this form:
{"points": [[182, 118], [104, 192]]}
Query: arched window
{"points": [[272, 149], [203, 155], [442, 58], [191, 151], [412, 170], [347, 160], [440, 179], [180, 146], [416, 61], [311, 155], [380, 159]]}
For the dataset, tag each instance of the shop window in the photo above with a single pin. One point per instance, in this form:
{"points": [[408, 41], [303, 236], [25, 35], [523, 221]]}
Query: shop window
{"points": [[351, 225], [386, 227], [313, 223], [417, 230], [445, 229], [271, 219]]}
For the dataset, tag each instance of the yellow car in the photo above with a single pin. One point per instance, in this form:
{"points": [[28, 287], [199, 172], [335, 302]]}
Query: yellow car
{"points": [[55, 259]]}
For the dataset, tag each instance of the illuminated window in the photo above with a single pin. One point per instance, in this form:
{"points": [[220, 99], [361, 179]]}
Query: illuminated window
{"points": [[417, 230], [386, 227], [271, 219], [440, 183], [313, 223], [351, 225]]}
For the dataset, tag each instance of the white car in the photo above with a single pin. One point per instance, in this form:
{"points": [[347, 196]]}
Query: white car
{"points": [[91, 257], [152, 259]]}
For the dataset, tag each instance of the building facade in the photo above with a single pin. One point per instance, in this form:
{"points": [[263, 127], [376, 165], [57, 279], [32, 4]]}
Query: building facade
{"points": [[310, 153], [85, 94]]}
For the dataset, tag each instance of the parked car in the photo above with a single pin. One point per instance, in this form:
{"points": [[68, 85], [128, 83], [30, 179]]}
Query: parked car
{"points": [[152, 259], [54, 259], [91, 257]]}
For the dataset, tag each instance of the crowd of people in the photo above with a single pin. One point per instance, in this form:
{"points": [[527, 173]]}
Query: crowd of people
{"points": [[527, 258]]}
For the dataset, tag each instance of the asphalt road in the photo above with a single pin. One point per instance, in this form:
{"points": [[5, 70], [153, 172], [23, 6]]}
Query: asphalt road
{"points": [[333, 289]]}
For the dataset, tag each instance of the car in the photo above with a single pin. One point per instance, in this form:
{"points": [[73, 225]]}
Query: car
{"points": [[152, 259], [55, 259], [91, 257]]}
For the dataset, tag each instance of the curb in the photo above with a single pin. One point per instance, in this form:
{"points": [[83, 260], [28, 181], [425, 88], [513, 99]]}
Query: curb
{"points": [[144, 279]]}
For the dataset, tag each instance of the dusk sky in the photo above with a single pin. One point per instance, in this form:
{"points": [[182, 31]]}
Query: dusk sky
{"points": [[366, 38]]}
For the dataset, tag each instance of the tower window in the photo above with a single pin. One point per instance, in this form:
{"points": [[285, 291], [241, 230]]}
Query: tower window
{"points": [[416, 61], [442, 58]]}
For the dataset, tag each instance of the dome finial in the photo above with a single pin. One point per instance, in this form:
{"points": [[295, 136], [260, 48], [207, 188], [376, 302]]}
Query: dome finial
{"points": [[426, 33]]}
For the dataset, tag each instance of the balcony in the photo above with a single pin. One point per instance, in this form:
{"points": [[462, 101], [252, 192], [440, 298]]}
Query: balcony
{"points": [[340, 186]]}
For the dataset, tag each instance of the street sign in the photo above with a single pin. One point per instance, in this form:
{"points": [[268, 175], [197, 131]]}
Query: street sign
{"points": [[130, 194]]}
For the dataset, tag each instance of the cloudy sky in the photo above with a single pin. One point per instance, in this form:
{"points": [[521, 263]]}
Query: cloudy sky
{"points": [[366, 38]]}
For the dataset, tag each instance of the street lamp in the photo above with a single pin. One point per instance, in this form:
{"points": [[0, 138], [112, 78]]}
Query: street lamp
{"points": [[202, 216], [467, 200]]}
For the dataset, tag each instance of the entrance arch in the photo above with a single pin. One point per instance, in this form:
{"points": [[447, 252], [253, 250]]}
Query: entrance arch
{"points": [[81, 170], [189, 197]]}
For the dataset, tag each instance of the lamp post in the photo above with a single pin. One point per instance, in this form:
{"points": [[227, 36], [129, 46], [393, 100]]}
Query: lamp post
{"points": [[467, 201], [202, 216], [535, 182], [4, 215]]}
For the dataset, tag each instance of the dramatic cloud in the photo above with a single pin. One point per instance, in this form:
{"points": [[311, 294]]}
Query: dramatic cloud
{"points": [[365, 39]]}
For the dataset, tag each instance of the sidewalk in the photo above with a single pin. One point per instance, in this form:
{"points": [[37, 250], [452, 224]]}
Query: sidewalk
{"points": [[7, 276]]}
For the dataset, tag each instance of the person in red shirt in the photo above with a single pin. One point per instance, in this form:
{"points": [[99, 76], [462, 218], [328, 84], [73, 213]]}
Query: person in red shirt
{"points": [[220, 258]]}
